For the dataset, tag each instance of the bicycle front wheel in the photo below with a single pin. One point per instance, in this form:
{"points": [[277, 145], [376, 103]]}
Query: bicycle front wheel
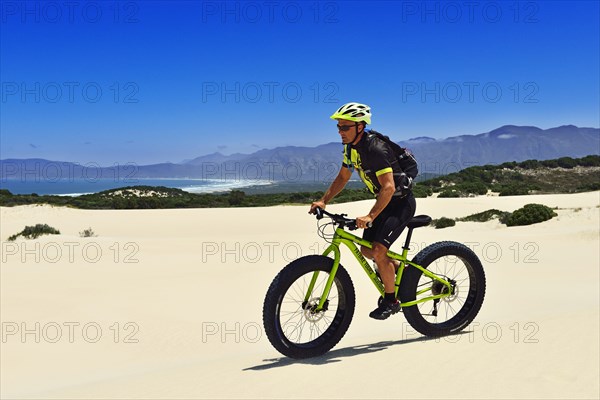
{"points": [[457, 264], [293, 325]]}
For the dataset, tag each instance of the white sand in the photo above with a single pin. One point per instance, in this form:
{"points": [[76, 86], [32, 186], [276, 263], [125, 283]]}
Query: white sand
{"points": [[178, 296]]}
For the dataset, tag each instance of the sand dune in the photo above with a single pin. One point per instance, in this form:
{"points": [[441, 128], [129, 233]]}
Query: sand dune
{"points": [[168, 303]]}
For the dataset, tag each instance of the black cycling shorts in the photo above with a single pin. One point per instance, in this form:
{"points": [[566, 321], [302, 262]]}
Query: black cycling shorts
{"points": [[388, 225]]}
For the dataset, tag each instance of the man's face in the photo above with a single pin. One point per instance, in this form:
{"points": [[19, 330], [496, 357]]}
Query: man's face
{"points": [[350, 134]]}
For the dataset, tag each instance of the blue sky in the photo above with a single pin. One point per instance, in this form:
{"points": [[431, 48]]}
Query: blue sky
{"points": [[154, 81]]}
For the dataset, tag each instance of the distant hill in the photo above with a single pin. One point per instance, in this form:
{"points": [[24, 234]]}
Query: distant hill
{"points": [[507, 143], [563, 175], [321, 163]]}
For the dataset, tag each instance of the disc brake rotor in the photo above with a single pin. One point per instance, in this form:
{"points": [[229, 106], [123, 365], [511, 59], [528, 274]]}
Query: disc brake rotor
{"points": [[310, 309]]}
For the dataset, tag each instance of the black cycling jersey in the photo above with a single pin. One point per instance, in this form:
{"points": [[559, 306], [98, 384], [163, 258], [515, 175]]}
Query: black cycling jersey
{"points": [[372, 157]]}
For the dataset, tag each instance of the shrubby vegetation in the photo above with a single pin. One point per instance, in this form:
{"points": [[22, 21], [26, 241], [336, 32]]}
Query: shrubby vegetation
{"points": [[176, 198], [421, 191], [520, 178], [443, 222], [527, 215], [515, 190], [87, 233], [446, 193], [507, 179], [530, 214], [485, 216], [32, 232]]}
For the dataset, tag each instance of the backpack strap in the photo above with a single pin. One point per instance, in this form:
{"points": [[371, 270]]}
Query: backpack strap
{"points": [[348, 157], [398, 150]]}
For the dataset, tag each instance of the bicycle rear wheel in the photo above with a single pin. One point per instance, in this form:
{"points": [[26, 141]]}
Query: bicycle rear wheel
{"points": [[292, 325], [459, 265]]}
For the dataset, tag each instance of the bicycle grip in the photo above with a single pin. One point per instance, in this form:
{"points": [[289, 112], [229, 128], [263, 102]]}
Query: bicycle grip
{"points": [[319, 212], [354, 226]]}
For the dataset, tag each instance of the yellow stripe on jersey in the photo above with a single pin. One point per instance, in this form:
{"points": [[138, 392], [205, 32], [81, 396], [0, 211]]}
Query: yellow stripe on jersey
{"points": [[384, 171]]}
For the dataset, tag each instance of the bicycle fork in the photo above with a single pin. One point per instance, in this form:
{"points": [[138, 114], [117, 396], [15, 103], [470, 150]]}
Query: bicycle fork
{"points": [[334, 248]]}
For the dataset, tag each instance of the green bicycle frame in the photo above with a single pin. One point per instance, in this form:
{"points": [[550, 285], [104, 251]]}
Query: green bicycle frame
{"points": [[343, 237]]}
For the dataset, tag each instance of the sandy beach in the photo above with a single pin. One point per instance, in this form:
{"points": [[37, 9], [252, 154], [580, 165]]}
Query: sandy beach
{"points": [[168, 304]]}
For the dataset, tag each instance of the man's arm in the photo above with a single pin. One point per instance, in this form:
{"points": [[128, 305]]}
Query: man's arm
{"points": [[385, 193], [336, 187], [383, 198]]}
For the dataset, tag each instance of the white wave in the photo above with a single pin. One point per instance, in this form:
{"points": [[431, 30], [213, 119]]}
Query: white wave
{"points": [[210, 186], [69, 194], [218, 185]]}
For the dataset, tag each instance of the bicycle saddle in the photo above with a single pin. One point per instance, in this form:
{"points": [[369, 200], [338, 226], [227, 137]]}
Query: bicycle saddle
{"points": [[419, 220]]}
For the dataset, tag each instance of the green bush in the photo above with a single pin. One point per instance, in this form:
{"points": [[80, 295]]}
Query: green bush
{"points": [[421, 191], [509, 165], [590, 161], [443, 223], [32, 232], [484, 216], [236, 197], [449, 193], [87, 233], [473, 188], [530, 164], [513, 190], [567, 162], [504, 218], [550, 163], [348, 195], [530, 214], [588, 187]]}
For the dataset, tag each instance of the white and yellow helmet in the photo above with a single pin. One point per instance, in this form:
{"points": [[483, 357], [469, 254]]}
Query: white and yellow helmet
{"points": [[353, 112]]}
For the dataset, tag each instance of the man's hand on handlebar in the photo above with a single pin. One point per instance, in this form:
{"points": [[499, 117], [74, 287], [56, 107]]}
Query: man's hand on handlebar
{"points": [[320, 204], [340, 219], [364, 222]]}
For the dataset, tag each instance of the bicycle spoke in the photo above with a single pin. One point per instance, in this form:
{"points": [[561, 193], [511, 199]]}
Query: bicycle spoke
{"points": [[452, 308], [449, 267], [290, 318], [318, 331], [299, 292], [303, 325]]}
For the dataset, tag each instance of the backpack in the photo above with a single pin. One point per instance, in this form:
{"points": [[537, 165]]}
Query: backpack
{"points": [[407, 161]]}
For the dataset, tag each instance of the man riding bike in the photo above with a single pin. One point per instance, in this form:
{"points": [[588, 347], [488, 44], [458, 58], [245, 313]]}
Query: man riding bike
{"points": [[378, 167]]}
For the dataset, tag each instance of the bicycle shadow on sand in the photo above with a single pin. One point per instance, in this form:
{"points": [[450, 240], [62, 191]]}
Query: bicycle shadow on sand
{"points": [[338, 354]]}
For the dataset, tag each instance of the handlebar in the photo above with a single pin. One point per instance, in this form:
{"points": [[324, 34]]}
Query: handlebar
{"points": [[339, 219]]}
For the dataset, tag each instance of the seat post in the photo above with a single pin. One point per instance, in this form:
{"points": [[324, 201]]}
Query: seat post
{"points": [[408, 236], [415, 222]]}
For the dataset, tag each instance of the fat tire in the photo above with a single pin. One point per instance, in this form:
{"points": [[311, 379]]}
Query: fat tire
{"points": [[474, 298], [279, 287]]}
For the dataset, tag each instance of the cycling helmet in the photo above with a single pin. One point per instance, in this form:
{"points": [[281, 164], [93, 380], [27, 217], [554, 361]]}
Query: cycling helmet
{"points": [[353, 112]]}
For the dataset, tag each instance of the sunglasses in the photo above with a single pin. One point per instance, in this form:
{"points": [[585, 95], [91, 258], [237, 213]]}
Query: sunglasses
{"points": [[345, 128]]}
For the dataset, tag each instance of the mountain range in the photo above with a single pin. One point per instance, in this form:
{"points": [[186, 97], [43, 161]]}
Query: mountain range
{"points": [[321, 163]]}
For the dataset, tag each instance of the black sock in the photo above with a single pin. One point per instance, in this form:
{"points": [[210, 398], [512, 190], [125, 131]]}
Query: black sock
{"points": [[390, 297]]}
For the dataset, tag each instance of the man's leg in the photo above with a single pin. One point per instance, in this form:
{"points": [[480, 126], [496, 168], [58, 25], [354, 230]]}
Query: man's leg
{"points": [[389, 305], [368, 253], [387, 269], [390, 230]]}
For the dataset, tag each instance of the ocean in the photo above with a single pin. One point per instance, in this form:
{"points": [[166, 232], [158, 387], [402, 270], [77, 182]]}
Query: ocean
{"points": [[77, 187]]}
